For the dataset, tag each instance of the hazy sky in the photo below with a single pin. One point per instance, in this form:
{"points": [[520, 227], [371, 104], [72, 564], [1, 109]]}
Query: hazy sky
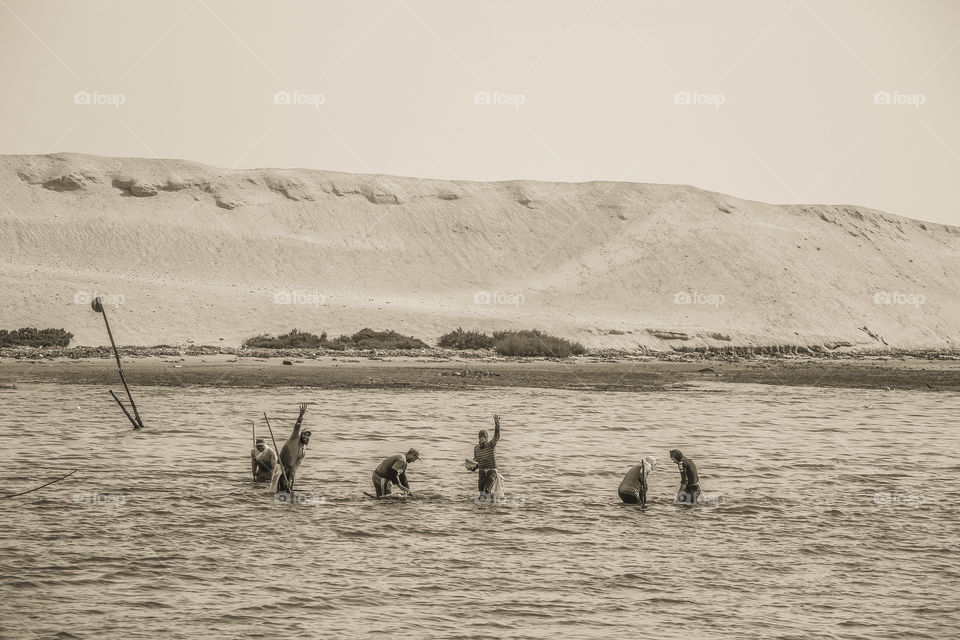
{"points": [[770, 100]]}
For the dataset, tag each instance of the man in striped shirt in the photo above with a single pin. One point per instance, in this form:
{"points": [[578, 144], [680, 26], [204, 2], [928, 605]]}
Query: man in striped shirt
{"points": [[483, 453]]}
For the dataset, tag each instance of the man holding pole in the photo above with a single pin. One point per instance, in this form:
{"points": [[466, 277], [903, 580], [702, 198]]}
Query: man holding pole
{"points": [[262, 459]]}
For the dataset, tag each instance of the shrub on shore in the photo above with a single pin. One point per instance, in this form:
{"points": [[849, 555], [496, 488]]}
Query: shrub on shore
{"points": [[370, 339], [31, 337], [293, 340], [524, 342], [461, 339], [532, 342]]}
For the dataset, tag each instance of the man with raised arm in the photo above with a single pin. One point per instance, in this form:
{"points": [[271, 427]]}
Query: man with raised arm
{"points": [[485, 458], [292, 452]]}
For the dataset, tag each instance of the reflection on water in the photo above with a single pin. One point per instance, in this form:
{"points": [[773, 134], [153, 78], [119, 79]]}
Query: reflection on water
{"points": [[829, 511]]}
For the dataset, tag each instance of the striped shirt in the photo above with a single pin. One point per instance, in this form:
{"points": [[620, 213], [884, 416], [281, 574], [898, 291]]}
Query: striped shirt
{"points": [[485, 456]]}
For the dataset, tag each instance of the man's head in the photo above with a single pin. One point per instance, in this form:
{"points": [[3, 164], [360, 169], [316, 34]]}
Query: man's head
{"points": [[412, 455], [260, 445], [676, 455], [305, 438], [651, 462], [483, 437]]}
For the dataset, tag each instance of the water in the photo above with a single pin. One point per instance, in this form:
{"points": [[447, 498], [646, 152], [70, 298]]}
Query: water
{"points": [[829, 513]]}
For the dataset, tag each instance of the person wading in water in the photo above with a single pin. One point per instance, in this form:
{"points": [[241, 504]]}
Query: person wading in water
{"points": [[633, 487], [485, 458], [689, 478], [393, 471], [292, 452], [262, 459]]}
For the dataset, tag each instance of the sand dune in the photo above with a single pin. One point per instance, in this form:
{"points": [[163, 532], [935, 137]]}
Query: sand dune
{"points": [[182, 251]]}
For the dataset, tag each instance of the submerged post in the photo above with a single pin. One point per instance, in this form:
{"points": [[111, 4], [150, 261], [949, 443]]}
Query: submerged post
{"points": [[137, 422]]}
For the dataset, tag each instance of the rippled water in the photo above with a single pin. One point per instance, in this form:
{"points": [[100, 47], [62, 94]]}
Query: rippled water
{"points": [[830, 513]]}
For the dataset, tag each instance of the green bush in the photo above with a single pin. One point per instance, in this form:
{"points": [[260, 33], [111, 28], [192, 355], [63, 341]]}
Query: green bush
{"points": [[531, 342], [293, 340], [30, 337], [370, 339], [461, 339]]}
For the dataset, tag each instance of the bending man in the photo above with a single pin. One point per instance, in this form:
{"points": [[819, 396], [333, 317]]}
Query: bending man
{"points": [[394, 470], [292, 452], [633, 487], [689, 478]]}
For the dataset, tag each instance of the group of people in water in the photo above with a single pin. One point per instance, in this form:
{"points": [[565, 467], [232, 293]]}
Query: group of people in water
{"points": [[391, 474]]}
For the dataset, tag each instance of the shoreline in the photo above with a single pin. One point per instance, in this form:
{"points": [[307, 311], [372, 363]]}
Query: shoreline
{"points": [[590, 373], [680, 354]]}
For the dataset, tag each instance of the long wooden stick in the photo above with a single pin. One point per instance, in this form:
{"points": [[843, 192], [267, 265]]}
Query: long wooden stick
{"points": [[279, 457], [253, 452], [126, 413], [99, 307]]}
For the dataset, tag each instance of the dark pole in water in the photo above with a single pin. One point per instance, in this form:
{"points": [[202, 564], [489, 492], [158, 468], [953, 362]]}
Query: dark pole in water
{"points": [[253, 423], [124, 409], [138, 424], [279, 459], [14, 495]]}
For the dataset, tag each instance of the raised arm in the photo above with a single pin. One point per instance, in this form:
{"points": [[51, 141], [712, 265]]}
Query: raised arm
{"points": [[295, 436], [496, 430]]}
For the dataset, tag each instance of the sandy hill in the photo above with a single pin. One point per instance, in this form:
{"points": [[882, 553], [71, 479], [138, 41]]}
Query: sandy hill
{"points": [[182, 251]]}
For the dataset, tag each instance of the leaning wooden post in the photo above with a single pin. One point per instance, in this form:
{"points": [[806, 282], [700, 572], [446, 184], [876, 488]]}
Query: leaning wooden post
{"points": [[138, 423]]}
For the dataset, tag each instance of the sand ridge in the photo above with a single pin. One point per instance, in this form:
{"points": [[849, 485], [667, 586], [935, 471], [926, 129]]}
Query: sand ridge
{"points": [[186, 252]]}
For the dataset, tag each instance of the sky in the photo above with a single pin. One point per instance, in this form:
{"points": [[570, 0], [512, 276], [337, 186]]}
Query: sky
{"points": [[784, 101]]}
